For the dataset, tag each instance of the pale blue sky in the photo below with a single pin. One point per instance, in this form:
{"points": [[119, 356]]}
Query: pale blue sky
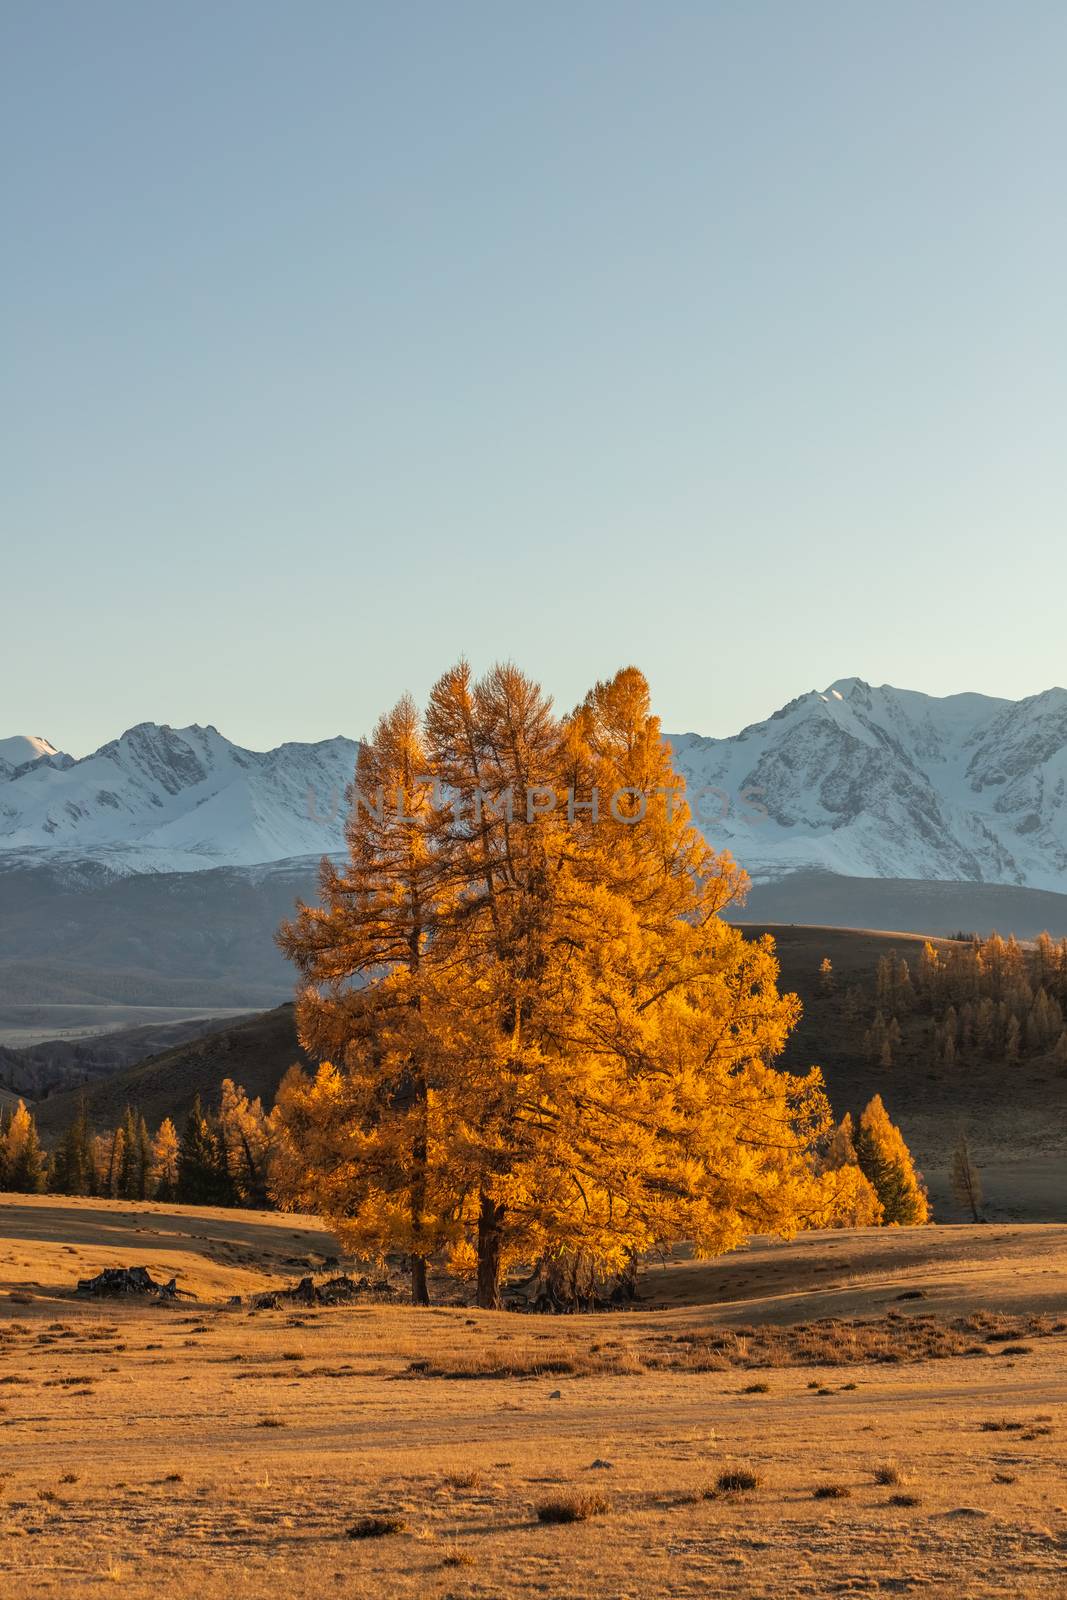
{"points": [[340, 339]]}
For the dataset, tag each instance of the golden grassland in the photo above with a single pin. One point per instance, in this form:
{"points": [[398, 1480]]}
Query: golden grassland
{"points": [[851, 1413]]}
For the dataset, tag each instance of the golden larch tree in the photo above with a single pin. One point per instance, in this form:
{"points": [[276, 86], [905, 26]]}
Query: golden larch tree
{"points": [[541, 1041]]}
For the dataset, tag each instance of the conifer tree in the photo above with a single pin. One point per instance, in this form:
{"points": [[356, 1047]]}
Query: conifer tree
{"points": [[865, 1209], [1012, 1040], [202, 1176], [114, 1159], [886, 1162], [72, 1169], [129, 1179], [364, 1141], [163, 1168], [22, 1160], [966, 1184], [243, 1134]]}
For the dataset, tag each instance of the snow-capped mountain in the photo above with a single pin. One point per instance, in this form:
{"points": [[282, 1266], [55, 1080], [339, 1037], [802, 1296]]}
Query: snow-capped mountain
{"points": [[163, 799], [889, 783], [856, 781]]}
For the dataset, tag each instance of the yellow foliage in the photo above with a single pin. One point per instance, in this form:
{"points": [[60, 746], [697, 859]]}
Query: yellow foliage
{"points": [[886, 1161], [539, 1036]]}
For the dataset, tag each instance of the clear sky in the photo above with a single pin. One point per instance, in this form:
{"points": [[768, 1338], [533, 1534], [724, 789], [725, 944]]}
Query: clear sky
{"points": [[340, 339]]}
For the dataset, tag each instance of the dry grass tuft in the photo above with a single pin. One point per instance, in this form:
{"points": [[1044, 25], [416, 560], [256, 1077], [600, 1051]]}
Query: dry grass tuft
{"points": [[904, 1500], [832, 1491], [888, 1473], [562, 1362], [756, 1388], [574, 1507], [736, 1480], [456, 1557], [836, 1342]]}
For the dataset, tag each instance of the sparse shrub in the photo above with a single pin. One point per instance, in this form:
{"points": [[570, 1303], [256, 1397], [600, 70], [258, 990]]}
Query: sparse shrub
{"points": [[756, 1388], [904, 1500], [471, 1479], [69, 1477], [832, 1491], [377, 1527], [574, 1507], [888, 1473]]}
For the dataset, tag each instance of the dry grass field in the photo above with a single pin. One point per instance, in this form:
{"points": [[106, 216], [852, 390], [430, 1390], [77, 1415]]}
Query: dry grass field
{"points": [[852, 1413]]}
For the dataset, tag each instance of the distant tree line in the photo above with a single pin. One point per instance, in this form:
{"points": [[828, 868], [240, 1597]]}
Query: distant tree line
{"points": [[980, 999], [219, 1158], [223, 1159]]}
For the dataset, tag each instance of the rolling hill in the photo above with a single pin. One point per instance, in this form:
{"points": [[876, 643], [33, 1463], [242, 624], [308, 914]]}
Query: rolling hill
{"points": [[1015, 1114]]}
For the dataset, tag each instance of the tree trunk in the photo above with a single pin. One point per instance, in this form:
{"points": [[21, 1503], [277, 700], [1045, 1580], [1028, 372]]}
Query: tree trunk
{"points": [[420, 1294], [490, 1244]]}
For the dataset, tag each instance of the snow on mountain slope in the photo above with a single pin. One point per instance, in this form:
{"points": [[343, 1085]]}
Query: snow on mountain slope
{"points": [[163, 799], [890, 783], [861, 781]]}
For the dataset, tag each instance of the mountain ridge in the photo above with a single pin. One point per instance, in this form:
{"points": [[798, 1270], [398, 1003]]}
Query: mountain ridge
{"points": [[855, 780]]}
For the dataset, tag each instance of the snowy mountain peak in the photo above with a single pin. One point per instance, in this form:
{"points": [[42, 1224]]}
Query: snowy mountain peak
{"points": [[25, 747], [23, 751], [843, 687], [163, 799], [885, 782]]}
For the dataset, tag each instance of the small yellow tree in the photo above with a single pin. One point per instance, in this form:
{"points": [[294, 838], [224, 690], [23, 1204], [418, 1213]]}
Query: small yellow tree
{"points": [[860, 1206], [163, 1171], [245, 1138], [22, 1161], [886, 1162], [360, 1143]]}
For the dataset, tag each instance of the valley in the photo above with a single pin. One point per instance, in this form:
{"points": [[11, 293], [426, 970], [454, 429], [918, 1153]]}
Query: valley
{"points": [[210, 1450]]}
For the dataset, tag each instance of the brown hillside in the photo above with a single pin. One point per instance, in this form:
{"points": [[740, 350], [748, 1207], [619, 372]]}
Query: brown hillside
{"points": [[1014, 1112], [256, 1053]]}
